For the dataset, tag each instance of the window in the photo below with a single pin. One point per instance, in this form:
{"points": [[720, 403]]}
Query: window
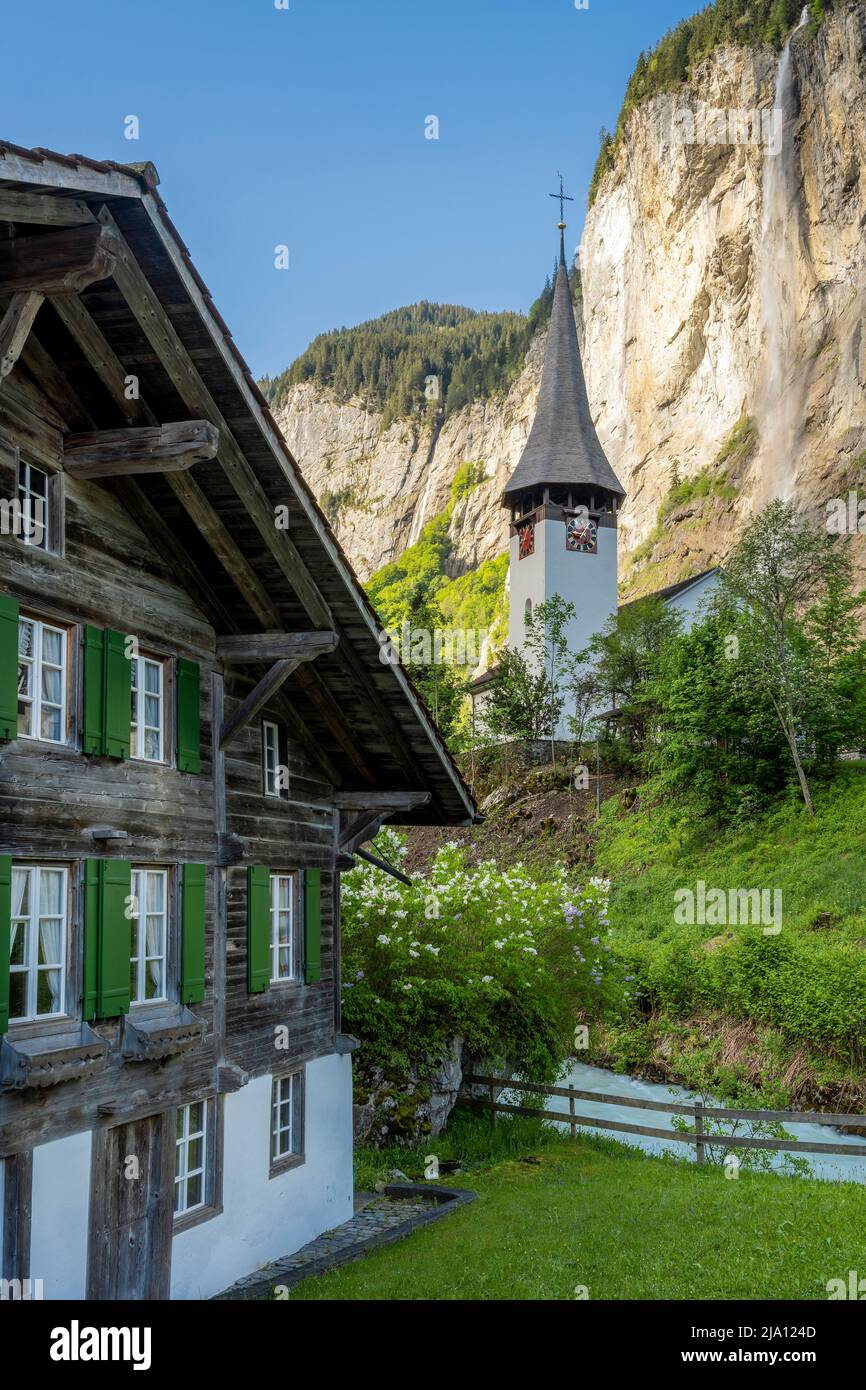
{"points": [[147, 964], [284, 965], [270, 757], [190, 1161], [287, 1122], [33, 502], [147, 729], [37, 954], [42, 680]]}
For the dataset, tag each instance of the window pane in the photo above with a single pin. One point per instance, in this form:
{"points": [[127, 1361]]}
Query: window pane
{"points": [[180, 1115], [155, 893], [18, 943], [152, 749], [38, 482], [25, 679], [196, 1117], [51, 725], [25, 638], [18, 994], [52, 647], [151, 711], [48, 992], [285, 893], [152, 674], [51, 893], [52, 685], [194, 1191]]}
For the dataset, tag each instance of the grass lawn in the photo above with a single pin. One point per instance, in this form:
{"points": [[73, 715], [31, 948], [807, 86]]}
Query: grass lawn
{"points": [[626, 1226]]}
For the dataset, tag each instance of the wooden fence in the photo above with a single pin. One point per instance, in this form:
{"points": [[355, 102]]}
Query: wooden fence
{"points": [[696, 1110]]}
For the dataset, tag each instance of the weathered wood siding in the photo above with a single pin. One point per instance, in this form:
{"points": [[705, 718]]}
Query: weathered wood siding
{"points": [[110, 575]]}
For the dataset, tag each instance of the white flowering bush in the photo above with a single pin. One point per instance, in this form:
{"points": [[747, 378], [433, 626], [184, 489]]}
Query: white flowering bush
{"points": [[506, 961]]}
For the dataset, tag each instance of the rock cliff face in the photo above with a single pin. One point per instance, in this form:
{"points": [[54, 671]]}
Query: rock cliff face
{"points": [[724, 287]]}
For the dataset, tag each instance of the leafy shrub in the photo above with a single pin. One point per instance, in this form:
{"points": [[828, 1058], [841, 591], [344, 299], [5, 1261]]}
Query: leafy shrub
{"points": [[491, 955]]}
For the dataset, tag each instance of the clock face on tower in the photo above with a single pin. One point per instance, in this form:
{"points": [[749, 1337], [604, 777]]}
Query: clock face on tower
{"points": [[581, 535], [525, 541]]}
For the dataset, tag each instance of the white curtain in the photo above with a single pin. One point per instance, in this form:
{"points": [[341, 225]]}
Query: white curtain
{"points": [[154, 947]]}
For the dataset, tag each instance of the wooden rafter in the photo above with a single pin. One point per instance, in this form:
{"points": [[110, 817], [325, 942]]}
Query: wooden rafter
{"points": [[181, 370], [43, 209], [15, 327], [380, 800]]}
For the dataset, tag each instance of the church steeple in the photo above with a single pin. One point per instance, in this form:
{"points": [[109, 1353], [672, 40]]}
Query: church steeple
{"points": [[563, 449]]}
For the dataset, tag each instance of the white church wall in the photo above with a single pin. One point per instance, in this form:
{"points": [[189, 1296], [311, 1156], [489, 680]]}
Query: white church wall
{"points": [[263, 1217]]}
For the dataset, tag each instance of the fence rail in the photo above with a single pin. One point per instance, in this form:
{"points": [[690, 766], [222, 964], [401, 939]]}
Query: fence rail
{"points": [[699, 1112]]}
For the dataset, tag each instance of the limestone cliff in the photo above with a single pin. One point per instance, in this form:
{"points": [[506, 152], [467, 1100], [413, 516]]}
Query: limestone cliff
{"points": [[723, 296]]}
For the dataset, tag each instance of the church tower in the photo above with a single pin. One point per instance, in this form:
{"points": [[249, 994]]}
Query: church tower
{"points": [[563, 495]]}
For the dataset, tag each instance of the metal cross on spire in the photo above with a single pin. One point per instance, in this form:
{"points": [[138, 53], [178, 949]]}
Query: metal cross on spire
{"points": [[563, 199]]}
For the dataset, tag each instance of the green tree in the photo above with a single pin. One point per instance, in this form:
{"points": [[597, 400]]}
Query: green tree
{"points": [[784, 569]]}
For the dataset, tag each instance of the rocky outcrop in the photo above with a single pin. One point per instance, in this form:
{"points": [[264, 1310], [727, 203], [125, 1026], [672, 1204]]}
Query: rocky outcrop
{"points": [[697, 308]]}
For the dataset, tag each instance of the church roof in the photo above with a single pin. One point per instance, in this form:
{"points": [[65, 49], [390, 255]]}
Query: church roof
{"points": [[563, 448]]}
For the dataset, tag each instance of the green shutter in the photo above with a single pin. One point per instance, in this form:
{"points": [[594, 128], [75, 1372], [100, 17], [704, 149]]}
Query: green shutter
{"points": [[188, 717], [90, 984], [117, 707], [192, 933], [115, 937], [312, 926], [94, 689], [8, 667], [5, 916], [258, 928]]}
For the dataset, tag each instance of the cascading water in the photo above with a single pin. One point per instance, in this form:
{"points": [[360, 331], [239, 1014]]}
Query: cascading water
{"points": [[780, 394]]}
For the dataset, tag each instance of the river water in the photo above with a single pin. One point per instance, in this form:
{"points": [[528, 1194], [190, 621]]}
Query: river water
{"points": [[830, 1167]]}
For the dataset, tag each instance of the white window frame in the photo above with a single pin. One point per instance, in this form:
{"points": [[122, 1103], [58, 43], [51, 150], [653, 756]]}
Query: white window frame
{"points": [[278, 976], [140, 874], [182, 1177], [34, 700], [137, 727], [30, 923], [270, 757], [287, 1134], [25, 495]]}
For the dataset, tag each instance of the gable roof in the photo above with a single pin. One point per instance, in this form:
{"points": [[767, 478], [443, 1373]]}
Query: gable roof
{"points": [[673, 590], [563, 449], [155, 318]]}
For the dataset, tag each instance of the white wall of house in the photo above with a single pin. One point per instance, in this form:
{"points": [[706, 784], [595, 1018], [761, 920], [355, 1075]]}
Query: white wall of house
{"points": [[690, 602], [263, 1217], [59, 1216]]}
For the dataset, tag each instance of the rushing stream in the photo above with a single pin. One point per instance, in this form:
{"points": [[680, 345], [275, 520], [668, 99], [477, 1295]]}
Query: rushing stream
{"points": [[831, 1167]]}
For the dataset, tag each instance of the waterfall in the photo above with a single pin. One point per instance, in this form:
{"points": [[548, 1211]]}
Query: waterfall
{"points": [[780, 394]]}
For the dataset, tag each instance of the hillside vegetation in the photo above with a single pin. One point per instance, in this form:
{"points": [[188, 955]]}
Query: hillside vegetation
{"points": [[389, 360], [747, 23]]}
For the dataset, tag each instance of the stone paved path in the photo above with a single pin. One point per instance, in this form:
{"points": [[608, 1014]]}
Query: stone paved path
{"points": [[379, 1219]]}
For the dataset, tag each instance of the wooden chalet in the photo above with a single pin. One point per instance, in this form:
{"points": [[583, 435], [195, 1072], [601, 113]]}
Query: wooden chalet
{"points": [[198, 731]]}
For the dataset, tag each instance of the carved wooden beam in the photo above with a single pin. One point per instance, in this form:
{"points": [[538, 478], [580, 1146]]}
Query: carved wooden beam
{"points": [[58, 262], [266, 688], [43, 209], [15, 327], [183, 374], [274, 646], [159, 449]]}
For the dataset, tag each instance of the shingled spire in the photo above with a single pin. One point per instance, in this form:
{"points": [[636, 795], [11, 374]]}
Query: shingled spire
{"points": [[563, 449]]}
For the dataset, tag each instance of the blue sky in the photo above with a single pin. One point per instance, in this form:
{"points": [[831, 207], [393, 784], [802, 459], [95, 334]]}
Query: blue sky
{"points": [[306, 127]]}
